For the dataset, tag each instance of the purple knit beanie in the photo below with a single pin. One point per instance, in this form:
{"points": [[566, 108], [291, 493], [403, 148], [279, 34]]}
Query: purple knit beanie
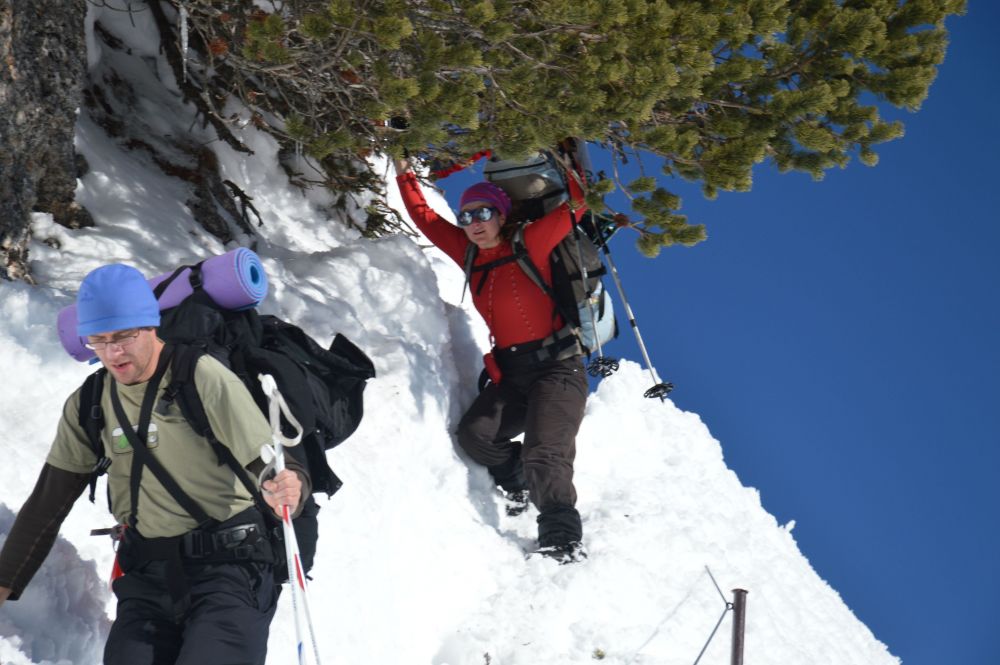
{"points": [[486, 192]]}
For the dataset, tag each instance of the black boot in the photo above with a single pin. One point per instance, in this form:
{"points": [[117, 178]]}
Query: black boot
{"points": [[515, 502], [513, 485], [563, 554], [510, 474], [560, 534]]}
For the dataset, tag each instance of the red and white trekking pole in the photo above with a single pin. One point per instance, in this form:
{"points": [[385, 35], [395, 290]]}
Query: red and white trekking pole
{"points": [[274, 453]]}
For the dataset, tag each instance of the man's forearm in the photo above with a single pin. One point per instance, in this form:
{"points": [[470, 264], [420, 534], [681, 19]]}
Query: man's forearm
{"points": [[36, 527]]}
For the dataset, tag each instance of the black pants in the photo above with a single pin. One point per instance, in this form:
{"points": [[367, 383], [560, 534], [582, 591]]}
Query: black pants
{"points": [[546, 402], [226, 623]]}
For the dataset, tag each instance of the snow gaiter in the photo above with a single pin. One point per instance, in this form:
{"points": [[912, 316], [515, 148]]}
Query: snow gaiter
{"points": [[559, 524]]}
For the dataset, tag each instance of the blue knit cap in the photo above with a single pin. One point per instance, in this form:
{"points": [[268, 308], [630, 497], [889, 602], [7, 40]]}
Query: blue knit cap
{"points": [[115, 297]]}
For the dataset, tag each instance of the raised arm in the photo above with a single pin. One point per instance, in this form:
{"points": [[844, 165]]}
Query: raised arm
{"points": [[543, 235], [448, 237]]}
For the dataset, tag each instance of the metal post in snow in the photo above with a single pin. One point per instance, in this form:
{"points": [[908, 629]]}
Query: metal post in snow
{"points": [[739, 624]]}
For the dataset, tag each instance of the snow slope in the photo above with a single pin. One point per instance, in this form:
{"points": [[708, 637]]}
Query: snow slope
{"points": [[417, 561]]}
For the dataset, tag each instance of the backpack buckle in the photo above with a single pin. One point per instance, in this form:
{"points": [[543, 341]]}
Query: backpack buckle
{"points": [[196, 545], [117, 532], [195, 277], [101, 466], [169, 395], [231, 538]]}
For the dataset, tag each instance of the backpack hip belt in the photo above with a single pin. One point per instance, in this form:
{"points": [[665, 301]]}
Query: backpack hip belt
{"points": [[557, 346], [243, 537], [242, 542], [226, 542]]}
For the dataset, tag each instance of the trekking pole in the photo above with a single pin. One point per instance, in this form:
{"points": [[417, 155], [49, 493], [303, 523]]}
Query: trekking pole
{"points": [[275, 453], [659, 389]]}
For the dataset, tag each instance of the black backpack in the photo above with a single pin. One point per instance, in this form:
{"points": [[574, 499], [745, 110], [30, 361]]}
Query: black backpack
{"points": [[323, 387]]}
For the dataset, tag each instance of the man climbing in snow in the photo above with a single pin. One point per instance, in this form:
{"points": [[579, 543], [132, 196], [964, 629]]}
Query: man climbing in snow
{"points": [[538, 385], [194, 548]]}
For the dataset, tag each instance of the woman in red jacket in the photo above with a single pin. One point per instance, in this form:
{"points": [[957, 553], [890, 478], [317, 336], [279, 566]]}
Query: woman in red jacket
{"points": [[538, 384]]}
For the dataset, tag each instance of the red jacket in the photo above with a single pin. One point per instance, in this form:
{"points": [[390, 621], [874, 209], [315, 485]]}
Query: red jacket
{"points": [[514, 308]]}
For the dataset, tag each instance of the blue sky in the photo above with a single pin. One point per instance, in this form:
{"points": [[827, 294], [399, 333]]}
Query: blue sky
{"points": [[840, 338]]}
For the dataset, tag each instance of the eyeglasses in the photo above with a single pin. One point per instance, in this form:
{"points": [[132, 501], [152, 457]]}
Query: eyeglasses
{"points": [[484, 214], [121, 340]]}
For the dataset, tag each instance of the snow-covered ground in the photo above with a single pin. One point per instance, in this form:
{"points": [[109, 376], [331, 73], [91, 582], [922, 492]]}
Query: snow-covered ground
{"points": [[417, 561]]}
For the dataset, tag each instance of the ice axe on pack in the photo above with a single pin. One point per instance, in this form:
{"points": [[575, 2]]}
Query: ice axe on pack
{"points": [[274, 457]]}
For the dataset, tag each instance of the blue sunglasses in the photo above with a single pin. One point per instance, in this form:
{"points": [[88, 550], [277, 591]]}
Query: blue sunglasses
{"points": [[484, 214]]}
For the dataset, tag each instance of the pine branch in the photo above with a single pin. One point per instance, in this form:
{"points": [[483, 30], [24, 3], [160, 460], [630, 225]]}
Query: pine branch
{"points": [[190, 92]]}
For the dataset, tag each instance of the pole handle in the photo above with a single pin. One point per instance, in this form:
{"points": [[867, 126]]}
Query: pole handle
{"points": [[278, 407]]}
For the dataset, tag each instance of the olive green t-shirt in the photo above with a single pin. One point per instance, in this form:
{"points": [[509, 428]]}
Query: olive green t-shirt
{"points": [[186, 456]]}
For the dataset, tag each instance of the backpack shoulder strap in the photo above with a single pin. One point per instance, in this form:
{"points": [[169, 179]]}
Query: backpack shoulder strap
{"points": [[471, 252], [485, 269], [531, 270], [523, 259], [470, 257], [141, 456], [533, 273], [184, 390], [91, 419]]}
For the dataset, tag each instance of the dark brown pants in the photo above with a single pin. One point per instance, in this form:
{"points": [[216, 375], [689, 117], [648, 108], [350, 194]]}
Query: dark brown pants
{"points": [[546, 402]]}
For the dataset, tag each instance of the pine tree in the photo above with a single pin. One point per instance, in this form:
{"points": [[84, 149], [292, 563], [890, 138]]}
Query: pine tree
{"points": [[712, 86]]}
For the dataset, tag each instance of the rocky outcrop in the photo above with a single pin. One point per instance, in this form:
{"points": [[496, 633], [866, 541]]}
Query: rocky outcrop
{"points": [[43, 59]]}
